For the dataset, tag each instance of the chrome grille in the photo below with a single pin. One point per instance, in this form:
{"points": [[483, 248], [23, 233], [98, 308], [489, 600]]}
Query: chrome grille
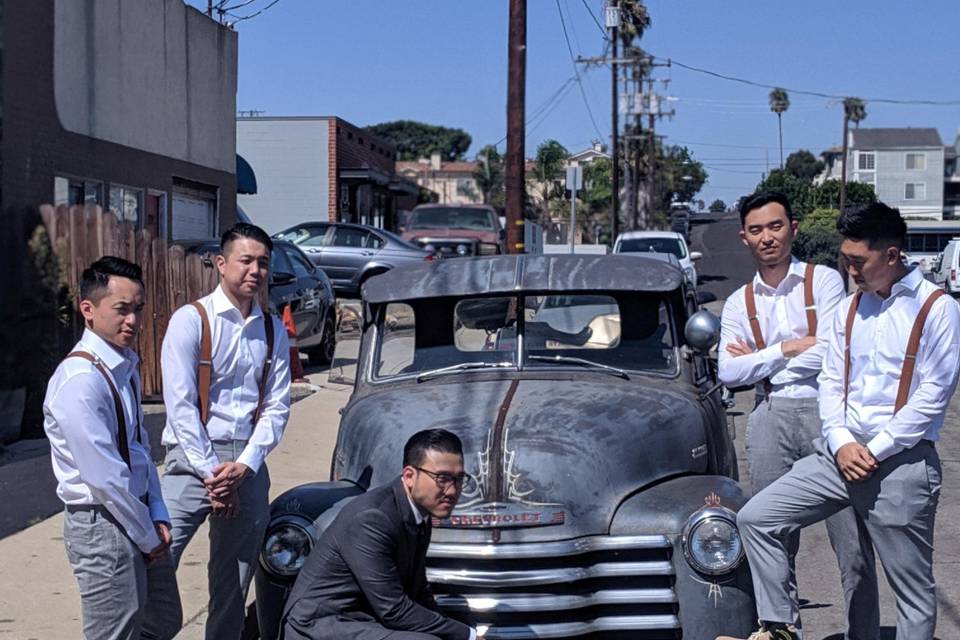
{"points": [[597, 587], [447, 247]]}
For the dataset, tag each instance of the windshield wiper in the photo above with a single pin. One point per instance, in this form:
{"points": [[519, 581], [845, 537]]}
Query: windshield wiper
{"points": [[590, 363], [463, 366]]}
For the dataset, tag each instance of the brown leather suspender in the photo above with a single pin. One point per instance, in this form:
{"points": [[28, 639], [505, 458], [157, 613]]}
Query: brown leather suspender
{"points": [[123, 445], [752, 316], [808, 302], [205, 364], [909, 358]]}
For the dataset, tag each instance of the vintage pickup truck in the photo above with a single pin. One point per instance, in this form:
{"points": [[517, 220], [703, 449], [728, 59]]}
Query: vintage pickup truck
{"points": [[603, 490]]}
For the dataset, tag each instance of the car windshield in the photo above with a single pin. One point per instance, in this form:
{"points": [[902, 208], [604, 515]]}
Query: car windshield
{"points": [[673, 246], [452, 218], [307, 236], [606, 333]]}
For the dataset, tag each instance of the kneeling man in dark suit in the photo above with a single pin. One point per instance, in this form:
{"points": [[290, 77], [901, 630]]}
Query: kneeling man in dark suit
{"points": [[366, 579]]}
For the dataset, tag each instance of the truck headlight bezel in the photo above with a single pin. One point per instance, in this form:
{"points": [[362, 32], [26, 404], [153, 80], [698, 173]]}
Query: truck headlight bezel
{"points": [[719, 519], [291, 534]]}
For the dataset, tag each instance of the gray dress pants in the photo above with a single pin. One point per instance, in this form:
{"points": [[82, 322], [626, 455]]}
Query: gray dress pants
{"points": [[781, 431], [115, 581], [897, 504], [234, 543]]}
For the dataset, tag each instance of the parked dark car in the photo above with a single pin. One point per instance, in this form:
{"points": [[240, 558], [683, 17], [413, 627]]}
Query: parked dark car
{"points": [[603, 492], [351, 253], [456, 230], [296, 282]]}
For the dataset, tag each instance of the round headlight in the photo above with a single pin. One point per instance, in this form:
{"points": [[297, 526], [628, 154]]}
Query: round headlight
{"points": [[285, 548], [462, 249], [711, 541], [429, 247]]}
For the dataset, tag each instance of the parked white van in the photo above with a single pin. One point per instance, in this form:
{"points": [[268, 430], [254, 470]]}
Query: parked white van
{"points": [[949, 272]]}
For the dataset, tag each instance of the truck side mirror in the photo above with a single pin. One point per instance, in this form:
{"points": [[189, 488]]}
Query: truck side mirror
{"points": [[702, 331]]}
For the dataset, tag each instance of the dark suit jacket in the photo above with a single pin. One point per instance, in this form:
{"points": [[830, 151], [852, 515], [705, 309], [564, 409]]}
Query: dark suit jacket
{"points": [[368, 569]]}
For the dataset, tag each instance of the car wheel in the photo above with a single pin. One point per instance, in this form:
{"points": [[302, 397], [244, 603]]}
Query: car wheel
{"points": [[323, 354]]}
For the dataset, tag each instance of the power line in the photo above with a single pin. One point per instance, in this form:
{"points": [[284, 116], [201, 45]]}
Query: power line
{"points": [[555, 96], [253, 15], [596, 21], [818, 94], [731, 146], [576, 71]]}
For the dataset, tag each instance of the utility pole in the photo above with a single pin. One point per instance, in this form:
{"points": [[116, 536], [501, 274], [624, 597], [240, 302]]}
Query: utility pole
{"points": [[514, 178], [613, 24], [843, 163], [209, 8]]}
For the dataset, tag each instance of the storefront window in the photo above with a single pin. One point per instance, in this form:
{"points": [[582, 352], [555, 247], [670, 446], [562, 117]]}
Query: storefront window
{"points": [[126, 203]]}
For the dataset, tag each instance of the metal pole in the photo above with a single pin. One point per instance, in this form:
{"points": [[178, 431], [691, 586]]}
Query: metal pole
{"points": [[514, 180], [210, 8], [843, 164], [573, 217], [614, 151]]}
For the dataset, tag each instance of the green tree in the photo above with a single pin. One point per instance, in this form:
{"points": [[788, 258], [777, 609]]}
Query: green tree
{"points": [[416, 140], [779, 103], [804, 165], [680, 176], [489, 175], [817, 240], [718, 206], [828, 194], [593, 208], [796, 190], [548, 168]]}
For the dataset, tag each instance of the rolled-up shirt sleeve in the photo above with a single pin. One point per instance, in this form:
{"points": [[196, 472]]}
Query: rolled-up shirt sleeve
{"points": [[276, 404], [88, 421], [179, 359], [749, 369], [934, 382]]}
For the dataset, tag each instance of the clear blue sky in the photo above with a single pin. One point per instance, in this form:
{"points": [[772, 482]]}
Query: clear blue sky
{"points": [[444, 62]]}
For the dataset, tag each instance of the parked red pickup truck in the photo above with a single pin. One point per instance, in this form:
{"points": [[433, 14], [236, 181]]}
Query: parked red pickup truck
{"points": [[456, 230]]}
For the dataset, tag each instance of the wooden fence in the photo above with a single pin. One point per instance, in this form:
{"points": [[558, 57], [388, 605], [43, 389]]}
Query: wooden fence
{"points": [[81, 234]]}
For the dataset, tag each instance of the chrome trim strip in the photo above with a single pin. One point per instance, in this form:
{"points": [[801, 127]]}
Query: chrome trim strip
{"points": [[472, 578], [532, 603], [572, 629], [557, 549]]}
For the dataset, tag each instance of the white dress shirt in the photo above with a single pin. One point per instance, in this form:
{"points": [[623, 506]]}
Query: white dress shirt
{"points": [[239, 349], [80, 419], [880, 333], [782, 315]]}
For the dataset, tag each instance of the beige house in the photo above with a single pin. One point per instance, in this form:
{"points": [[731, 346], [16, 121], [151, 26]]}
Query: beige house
{"points": [[453, 182]]}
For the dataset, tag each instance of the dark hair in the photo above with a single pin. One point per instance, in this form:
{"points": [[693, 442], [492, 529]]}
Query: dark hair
{"points": [[96, 277], [763, 198], [430, 439], [876, 223], [244, 230]]}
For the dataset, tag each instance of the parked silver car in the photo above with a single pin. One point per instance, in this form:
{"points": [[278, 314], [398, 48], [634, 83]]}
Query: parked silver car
{"points": [[351, 253]]}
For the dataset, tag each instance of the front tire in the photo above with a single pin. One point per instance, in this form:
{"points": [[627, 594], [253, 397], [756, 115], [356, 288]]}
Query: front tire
{"points": [[323, 354]]}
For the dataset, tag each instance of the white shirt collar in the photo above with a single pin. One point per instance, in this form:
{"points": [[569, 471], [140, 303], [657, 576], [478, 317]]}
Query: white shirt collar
{"points": [[797, 268], [113, 359], [910, 282], [416, 512], [222, 304]]}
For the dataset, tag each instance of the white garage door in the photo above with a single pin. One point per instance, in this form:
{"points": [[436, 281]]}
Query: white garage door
{"points": [[192, 217]]}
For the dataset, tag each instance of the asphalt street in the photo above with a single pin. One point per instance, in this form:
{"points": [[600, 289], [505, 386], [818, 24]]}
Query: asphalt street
{"points": [[725, 266]]}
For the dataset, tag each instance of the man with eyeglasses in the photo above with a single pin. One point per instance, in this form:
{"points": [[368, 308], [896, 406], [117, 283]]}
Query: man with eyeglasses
{"points": [[366, 578]]}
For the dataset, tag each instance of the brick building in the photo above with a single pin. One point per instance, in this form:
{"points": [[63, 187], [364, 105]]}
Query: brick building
{"points": [[320, 168]]}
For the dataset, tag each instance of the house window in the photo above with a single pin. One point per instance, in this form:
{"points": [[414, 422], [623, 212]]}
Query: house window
{"points": [[71, 191], [916, 161], [464, 186], [126, 203], [867, 161], [915, 191]]}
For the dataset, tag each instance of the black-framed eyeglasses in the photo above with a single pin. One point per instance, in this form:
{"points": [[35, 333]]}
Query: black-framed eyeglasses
{"points": [[445, 480]]}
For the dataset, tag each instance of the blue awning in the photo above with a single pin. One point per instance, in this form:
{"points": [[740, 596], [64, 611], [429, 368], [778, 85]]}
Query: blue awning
{"points": [[246, 178]]}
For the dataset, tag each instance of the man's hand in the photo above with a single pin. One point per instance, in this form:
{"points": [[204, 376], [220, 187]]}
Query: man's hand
{"points": [[856, 462], [163, 532], [227, 476], [227, 506], [794, 347], [739, 348]]}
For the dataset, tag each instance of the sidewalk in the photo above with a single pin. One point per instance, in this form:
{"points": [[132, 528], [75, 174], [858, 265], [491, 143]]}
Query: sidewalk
{"points": [[38, 594]]}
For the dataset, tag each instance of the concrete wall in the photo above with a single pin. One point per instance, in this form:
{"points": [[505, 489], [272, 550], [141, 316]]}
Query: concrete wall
{"points": [[154, 75], [892, 176], [291, 159]]}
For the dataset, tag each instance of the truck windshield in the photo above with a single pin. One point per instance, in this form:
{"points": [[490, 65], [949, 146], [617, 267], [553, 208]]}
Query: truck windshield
{"points": [[437, 337], [452, 218]]}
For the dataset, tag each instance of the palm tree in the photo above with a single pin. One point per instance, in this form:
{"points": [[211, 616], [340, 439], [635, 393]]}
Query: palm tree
{"points": [[779, 103], [854, 109]]}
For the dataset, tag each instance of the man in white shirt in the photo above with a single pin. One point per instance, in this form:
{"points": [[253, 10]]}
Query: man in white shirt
{"points": [[216, 465], [890, 369], [116, 528], [774, 334]]}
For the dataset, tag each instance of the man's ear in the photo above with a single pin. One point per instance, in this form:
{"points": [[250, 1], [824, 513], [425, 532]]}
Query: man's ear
{"points": [[893, 255], [407, 474], [743, 238], [86, 310], [795, 227]]}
